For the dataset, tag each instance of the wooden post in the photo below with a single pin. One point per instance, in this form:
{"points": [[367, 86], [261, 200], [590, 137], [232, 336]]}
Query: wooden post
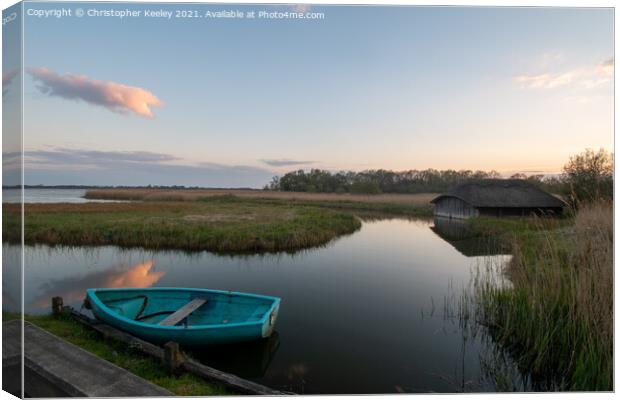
{"points": [[236, 384], [173, 357], [56, 306]]}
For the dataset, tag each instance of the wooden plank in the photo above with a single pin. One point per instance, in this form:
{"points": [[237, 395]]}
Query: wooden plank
{"points": [[225, 379], [230, 381], [54, 366], [183, 312], [108, 331]]}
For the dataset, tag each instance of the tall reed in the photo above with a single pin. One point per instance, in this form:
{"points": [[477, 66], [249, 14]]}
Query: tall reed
{"points": [[557, 315]]}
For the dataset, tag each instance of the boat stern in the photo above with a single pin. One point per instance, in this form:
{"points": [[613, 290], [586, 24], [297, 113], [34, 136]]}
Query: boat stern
{"points": [[270, 322]]}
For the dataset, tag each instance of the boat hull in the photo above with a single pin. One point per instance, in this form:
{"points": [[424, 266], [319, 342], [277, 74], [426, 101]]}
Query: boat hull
{"points": [[227, 317]]}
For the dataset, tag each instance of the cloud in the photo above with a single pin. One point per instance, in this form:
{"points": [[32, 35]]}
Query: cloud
{"points": [[301, 8], [588, 78], [285, 162], [546, 81], [63, 166], [95, 158], [7, 78], [10, 158], [607, 67], [114, 96]]}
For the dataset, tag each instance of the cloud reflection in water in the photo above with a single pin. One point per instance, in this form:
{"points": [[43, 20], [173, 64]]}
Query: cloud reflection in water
{"points": [[73, 290]]}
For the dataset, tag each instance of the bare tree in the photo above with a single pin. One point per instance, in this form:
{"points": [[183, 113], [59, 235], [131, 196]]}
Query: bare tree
{"points": [[589, 176]]}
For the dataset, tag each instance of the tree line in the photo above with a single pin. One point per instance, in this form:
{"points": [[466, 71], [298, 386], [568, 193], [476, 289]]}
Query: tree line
{"points": [[585, 177], [385, 181]]}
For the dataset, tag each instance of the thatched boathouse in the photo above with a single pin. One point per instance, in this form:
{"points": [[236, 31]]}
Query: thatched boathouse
{"points": [[496, 197]]}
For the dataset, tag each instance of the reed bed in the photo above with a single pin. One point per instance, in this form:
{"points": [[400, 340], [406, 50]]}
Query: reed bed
{"points": [[421, 199], [556, 316], [217, 225]]}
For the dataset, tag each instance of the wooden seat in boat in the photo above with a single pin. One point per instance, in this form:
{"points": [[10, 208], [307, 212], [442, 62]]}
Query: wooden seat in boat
{"points": [[183, 312]]}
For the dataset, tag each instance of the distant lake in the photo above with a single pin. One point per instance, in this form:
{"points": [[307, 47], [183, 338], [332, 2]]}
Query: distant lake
{"points": [[372, 312], [48, 196]]}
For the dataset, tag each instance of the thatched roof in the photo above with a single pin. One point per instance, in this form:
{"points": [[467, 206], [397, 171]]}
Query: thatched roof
{"points": [[503, 193]]}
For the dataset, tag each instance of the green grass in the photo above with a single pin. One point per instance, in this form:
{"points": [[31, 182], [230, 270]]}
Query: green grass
{"points": [[556, 317], [527, 234], [222, 225], [412, 205], [356, 207], [122, 356]]}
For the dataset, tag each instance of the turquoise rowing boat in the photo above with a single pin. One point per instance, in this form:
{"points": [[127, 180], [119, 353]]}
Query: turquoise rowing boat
{"points": [[194, 317]]}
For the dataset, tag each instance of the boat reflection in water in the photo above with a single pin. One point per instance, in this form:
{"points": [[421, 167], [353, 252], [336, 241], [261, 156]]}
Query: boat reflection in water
{"points": [[248, 360], [397, 266], [465, 241]]}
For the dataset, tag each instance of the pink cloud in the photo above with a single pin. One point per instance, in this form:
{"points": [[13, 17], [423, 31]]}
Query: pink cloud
{"points": [[301, 8], [585, 77], [7, 78], [546, 81], [114, 96], [607, 67]]}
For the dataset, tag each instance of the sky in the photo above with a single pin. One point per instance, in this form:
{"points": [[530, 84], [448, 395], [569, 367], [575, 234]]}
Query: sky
{"points": [[223, 102]]}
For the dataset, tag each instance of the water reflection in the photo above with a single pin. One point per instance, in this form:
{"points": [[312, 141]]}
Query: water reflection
{"points": [[73, 290], [11, 278], [352, 318], [457, 233], [250, 360]]}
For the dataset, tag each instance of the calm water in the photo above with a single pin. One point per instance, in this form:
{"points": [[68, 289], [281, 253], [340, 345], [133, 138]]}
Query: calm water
{"points": [[365, 314], [47, 196]]}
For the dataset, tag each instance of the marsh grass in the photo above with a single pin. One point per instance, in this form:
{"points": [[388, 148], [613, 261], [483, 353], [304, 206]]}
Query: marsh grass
{"points": [[421, 199], [363, 209], [410, 205], [122, 356], [460, 309], [217, 224], [556, 315]]}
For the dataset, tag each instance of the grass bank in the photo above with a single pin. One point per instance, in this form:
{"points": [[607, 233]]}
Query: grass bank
{"points": [[122, 355], [218, 224], [556, 317]]}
